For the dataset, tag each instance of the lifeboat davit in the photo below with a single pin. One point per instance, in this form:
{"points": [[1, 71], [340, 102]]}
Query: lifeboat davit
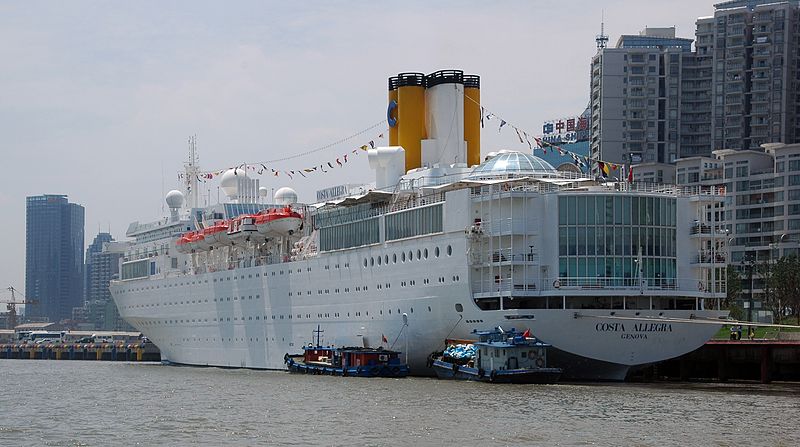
{"points": [[197, 242], [241, 228], [182, 244], [276, 222], [216, 234]]}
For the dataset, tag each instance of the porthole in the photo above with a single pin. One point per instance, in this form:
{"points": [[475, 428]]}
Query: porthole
{"points": [[403, 257], [449, 250], [385, 259], [365, 262], [380, 260], [410, 255], [425, 253], [419, 255], [394, 258], [371, 262], [459, 307]]}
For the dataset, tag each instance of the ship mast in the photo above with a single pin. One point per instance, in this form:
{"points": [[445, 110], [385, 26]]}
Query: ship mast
{"points": [[192, 172]]}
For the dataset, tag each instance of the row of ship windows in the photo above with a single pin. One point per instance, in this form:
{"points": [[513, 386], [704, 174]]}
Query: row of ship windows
{"points": [[274, 317], [421, 254], [441, 280]]}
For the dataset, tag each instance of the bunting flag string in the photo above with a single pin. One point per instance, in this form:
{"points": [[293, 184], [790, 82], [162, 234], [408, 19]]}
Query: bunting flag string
{"points": [[582, 161], [325, 166]]}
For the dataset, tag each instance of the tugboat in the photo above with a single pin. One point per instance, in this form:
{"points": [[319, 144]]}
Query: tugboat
{"points": [[498, 357], [346, 361]]}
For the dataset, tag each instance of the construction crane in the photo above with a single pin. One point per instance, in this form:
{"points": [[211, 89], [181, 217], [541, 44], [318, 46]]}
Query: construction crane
{"points": [[11, 306]]}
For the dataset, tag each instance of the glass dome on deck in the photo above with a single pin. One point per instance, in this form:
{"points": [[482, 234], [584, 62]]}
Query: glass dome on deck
{"points": [[513, 164]]}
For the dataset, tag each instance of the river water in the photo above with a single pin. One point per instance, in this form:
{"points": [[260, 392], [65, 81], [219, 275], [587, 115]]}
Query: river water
{"points": [[62, 403]]}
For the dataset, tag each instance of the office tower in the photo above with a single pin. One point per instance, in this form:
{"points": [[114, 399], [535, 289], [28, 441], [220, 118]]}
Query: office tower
{"points": [[53, 257], [102, 264]]}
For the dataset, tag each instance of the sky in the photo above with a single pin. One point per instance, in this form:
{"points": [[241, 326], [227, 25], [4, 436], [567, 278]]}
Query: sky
{"points": [[98, 99]]}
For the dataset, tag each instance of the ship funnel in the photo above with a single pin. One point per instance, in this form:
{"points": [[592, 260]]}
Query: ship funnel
{"points": [[435, 118]]}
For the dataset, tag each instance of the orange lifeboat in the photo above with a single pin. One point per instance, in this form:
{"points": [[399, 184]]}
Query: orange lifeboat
{"points": [[216, 234], [276, 222]]}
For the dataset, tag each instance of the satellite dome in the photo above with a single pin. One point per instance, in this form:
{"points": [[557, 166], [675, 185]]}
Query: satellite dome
{"points": [[513, 164], [285, 196], [263, 191], [174, 199], [230, 182]]}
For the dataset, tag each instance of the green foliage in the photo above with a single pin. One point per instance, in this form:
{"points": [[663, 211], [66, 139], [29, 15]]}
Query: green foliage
{"points": [[733, 281], [784, 283]]}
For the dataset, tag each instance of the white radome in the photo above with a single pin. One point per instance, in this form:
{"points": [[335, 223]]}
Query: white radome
{"points": [[263, 191], [230, 182], [174, 199], [285, 196]]}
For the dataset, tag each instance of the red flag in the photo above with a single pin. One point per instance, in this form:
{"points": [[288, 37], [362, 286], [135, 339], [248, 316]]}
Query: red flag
{"points": [[630, 175], [527, 333], [384, 339]]}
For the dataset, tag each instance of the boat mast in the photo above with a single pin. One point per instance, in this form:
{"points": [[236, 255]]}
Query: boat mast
{"points": [[192, 172]]}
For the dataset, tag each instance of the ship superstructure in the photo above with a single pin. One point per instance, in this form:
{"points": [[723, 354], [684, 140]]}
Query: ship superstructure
{"points": [[612, 275]]}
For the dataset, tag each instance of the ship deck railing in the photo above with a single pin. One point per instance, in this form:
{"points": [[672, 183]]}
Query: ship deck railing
{"points": [[532, 286]]}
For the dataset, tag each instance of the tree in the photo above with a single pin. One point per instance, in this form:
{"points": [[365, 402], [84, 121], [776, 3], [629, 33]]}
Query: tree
{"points": [[786, 286], [733, 281]]}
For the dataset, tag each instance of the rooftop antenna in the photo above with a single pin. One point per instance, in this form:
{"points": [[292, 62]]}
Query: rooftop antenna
{"points": [[601, 39]]}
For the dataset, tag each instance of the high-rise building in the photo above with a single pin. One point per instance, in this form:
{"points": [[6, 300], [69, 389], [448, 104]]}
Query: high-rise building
{"points": [[53, 257], [102, 264], [753, 47], [635, 97], [655, 100], [99, 268]]}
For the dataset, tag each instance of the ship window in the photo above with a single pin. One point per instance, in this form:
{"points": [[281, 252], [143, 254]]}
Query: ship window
{"points": [[379, 260], [419, 255], [410, 255], [394, 258], [403, 257], [385, 259], [429, 308], [426, 253], [365, 262], [449, 250], [371, 261]]}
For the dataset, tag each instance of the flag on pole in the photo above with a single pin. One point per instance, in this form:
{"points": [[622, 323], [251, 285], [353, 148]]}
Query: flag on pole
{"points": [[384, 339]]}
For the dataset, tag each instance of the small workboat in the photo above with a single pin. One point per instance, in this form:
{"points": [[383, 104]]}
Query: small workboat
{"points": [[347, 361], [498, 356]]}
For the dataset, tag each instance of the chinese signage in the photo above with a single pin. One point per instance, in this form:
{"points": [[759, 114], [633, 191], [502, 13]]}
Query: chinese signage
{"points": [[566, 130]]}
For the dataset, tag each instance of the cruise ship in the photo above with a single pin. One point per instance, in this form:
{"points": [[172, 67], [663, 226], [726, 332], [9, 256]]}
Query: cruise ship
{"points": [[613, 275]]}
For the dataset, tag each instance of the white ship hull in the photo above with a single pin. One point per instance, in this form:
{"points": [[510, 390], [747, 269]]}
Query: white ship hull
{"points": [[244, 317]]}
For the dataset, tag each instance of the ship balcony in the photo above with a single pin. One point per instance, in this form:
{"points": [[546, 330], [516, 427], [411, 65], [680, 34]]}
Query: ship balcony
{"points": [[706, 258], [705, 231], [505, 287], [504, 256]]}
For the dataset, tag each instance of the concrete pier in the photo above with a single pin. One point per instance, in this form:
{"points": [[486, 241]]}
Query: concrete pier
{"points": [[126, 352], [723, 360]]}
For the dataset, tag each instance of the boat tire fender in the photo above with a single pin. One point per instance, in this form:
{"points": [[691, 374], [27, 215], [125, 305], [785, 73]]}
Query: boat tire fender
{"points": [[358, 371], [395, 370], [375, 370], [493, 376], [481, 373], [455, 367], [540, 362]]}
